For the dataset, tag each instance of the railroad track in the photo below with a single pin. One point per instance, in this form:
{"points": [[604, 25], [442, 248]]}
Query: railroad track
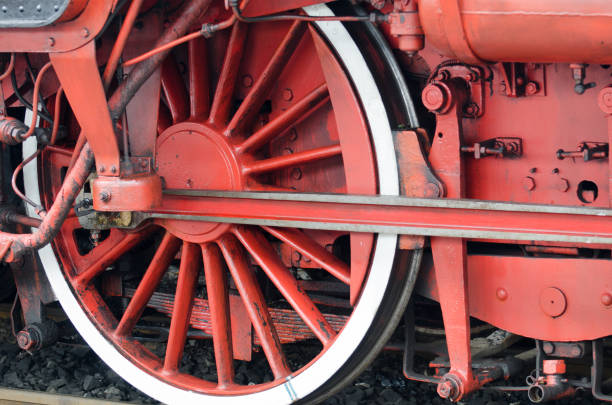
{"points": [[13, 397]]}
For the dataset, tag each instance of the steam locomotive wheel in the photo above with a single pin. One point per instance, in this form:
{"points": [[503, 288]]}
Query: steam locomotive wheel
{"points": [[311, 81]]}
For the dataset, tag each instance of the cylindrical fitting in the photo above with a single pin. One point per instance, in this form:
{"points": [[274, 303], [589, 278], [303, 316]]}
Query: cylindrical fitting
{"points": [[37, 335], [519, 30], [12, 131], [544, 393]]}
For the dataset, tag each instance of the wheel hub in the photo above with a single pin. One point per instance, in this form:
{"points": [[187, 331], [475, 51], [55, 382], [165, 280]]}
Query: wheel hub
{"points": [[195, 156]]}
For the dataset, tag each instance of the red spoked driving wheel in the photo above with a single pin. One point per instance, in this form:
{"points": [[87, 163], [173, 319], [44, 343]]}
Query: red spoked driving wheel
{"points": [[285, 106]]}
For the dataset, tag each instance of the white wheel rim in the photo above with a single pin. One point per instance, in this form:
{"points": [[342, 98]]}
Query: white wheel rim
{"points": [[353, 333]]}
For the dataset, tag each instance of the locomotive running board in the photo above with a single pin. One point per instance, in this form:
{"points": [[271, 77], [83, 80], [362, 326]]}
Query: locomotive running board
{"points": [[472, 219]]}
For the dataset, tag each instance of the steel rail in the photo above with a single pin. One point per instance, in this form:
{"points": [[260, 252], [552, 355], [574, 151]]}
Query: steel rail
{"points": [[14, 396], [390, 214]]}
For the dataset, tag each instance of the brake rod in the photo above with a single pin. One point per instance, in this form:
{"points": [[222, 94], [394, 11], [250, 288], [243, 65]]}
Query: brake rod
{"points": [[472, 219]]}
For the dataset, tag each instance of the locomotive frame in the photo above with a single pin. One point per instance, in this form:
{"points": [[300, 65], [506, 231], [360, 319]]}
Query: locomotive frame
{"points": [[420, 177]]}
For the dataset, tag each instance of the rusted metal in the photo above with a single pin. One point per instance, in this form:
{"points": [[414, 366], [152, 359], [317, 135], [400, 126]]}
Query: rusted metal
{"points": [[552, 386], [14, 245]]}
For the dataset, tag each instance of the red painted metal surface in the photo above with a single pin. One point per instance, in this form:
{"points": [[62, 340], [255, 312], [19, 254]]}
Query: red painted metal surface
{"points": [[268, 107], [508, 292], [62, 37], [308, 129], [518, 30]]}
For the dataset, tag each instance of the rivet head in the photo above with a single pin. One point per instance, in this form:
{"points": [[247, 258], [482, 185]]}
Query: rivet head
{"points": [[85, 32], [287, 95], [113, 169], [501, 294], [51, 41], [101, 169], [105, 196], [606, 299]]}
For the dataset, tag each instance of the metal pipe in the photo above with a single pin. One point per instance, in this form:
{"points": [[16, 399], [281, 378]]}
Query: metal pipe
{"points": [[519, 30], [16, 244], [10, 217], [550, 392], [13, 245], [188, 16]]}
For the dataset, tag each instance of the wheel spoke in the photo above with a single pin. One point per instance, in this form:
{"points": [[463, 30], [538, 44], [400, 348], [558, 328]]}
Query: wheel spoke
{"points": [[291, 116], [218, 303], [265, 255], [110, 257], [166, 251], [174, 90], [308, 247], [222, 101], [164, 120], [199, 79], [295, 159], [256, 97], [255, 304], [183, 303]]}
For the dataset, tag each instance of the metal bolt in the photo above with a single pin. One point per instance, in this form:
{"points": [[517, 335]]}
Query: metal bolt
{"points": [[113, 169], [287, 95], [548, 347], [448, 389], [85, 32], [51, 41], [606, 299], [555, 170], [576, 351], [554, 366], [101, 169], [143, 164], [247, 81], [471, 77], [105, 196], [189, 183], [25, 340], [293, 135], [297, 256], [434, 97], [529, 183], [533, 170], [287, 151], [532, 88], [501, 294], [472, 109], [563, 185], [296, 173]]}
